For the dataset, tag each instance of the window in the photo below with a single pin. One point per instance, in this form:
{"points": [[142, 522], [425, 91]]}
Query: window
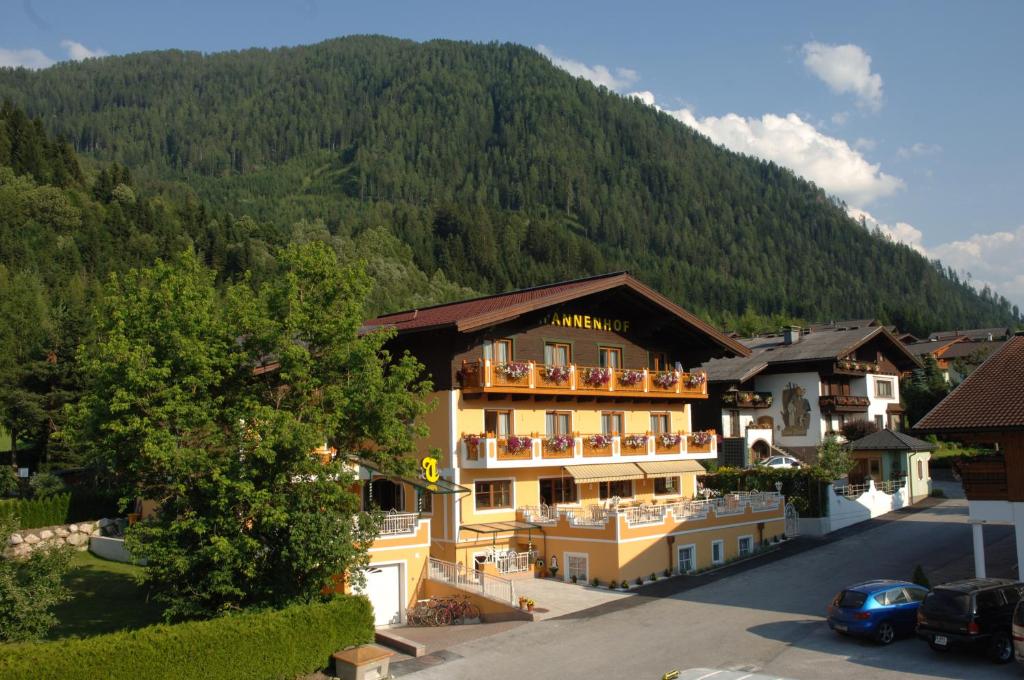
{"points": [[557, 490], [917, 594], [557, 354], [687, 559], [717, 552], [894, 596], [880, 422], [622, 489], [493, 494], [610, 357], [502, 351], [1012, 595], [988, 600], [576, 565], [657, 361], [558, 422], [746, 545], [498, 423], [883, 389], [611, 422], [659, 423], [920, 469], [666, 486]]}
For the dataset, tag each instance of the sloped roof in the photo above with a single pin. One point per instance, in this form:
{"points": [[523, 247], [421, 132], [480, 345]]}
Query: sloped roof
{"points": [[477, 313], [842, 325], [973, 333], [935, 347], [890, 440], [967, 348], [821, 346], [990, 399]]}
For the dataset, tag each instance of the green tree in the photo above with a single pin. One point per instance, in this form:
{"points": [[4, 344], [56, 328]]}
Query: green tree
{"points": [[834, 460], [924, 389], [30, 587], [211, 405]]}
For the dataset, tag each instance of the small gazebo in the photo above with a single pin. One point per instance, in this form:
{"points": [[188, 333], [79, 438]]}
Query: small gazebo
{"points": [[887, 456]]}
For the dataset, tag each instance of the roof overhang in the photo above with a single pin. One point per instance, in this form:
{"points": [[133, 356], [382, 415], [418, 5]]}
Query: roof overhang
{"points": [[500, 527], [441, 486]]}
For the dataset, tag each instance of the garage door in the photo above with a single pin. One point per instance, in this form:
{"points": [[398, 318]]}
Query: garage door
{"points": [[384, 588]]}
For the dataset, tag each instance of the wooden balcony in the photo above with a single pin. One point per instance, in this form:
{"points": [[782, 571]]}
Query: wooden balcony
{"points": [[526, 377], [535, 450], [843, 403], [984, 478], [747, 399], [854, 367]]}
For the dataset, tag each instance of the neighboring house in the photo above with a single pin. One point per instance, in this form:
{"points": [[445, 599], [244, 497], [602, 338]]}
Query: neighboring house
{"points": [[797, 388], [893, 459], [963, 357], [566, 410], [974, 334], [937, 349], [988, 408]]}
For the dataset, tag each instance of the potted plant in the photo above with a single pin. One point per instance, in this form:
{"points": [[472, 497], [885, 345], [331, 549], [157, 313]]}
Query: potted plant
{"points": [[513, 370], [596, 377], [629, 378], [573, 579], [666, 380], [555, 374], [554, 572], [530, 604], [516, 444], [695, 380], [635, 441], [522, 602]]}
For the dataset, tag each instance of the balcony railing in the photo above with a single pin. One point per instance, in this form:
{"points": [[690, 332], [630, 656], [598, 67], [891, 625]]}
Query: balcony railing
{"points": [[398, 523], [484, 450], [485, 375], [855, 366], [747, 399], [843, 403]]}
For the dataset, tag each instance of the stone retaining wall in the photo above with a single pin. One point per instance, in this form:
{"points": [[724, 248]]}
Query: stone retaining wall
{"points": [[22, 543]]}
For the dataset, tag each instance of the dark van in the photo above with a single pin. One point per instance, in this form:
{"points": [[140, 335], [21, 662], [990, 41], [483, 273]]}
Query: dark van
{"points": [[976, 613]]}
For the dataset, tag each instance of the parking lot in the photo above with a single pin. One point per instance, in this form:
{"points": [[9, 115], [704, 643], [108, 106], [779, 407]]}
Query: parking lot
{"points": [[768, 619]]}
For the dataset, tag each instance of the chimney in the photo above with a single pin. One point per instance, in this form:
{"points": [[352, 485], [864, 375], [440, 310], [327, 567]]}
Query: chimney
{"points": [[790, 335]]}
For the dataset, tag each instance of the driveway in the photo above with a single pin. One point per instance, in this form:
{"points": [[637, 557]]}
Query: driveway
{"points": [[768, 619]]}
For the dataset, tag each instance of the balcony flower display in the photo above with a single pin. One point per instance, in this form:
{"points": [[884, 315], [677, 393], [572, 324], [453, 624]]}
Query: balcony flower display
{"points": [[666, 380], [596, 377], [555, 374], [668, 439], [630, 378], [762, 399], [559, 442], [516, 444], [599, 441], [635, 441], [472, 439], [513, 370], [695, 380], [701, 438]]}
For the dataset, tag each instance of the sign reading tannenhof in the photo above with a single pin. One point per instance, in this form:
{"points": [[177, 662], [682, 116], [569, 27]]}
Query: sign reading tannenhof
{"points": [[588, 321]]}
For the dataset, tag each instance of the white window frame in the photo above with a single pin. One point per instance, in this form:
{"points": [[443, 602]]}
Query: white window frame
{"points": [[565, 561], [739, 545], [692, 547], [892, 389], [486, 511], [721, 552]]}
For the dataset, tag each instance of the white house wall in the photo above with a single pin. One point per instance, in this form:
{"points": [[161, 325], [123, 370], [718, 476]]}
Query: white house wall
{"points": [[775, 383], [878, 405]]}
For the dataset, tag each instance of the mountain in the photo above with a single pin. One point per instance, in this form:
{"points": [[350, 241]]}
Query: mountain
{"points": [[488, 167]]}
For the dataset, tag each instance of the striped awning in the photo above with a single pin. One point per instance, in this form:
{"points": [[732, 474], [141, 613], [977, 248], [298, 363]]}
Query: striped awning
{"points": [[604, 472], [670, 468]]}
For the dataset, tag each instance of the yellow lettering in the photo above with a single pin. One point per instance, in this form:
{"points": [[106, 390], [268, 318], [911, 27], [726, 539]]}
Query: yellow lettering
{"points": [[554, 320], [577, 321], [607, 324], [625, 326], [618, 325], [586, 321], [429, 466], [566, 320]]}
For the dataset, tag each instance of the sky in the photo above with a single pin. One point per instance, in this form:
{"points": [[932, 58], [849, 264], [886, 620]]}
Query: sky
{"points": [[907, 111]]}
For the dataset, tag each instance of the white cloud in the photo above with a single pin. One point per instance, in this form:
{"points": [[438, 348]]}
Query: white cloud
{"points": [[77, 51], [618, 79], [840, 118], [919, 149], [901, 232], [790, 141], [647, 97], [30, 58], [845, 69], [993, 259], [864, 144]]}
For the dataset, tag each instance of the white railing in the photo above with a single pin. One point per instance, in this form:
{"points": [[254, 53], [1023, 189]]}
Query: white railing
{"points": [[472, 580], [398, 523], [644, 514], [540, 514], [513, 562], [889, 487]]}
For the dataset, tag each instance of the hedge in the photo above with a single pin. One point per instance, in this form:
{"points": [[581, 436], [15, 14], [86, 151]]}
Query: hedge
{"points": [[800, 486], [266, 644], [37, 512]]}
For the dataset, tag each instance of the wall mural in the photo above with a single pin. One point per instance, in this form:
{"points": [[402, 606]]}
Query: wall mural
{"points": [[796, 411]]}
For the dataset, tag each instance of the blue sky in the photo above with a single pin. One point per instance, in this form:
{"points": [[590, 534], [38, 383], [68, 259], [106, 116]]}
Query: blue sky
{"points": [[909, 111]]}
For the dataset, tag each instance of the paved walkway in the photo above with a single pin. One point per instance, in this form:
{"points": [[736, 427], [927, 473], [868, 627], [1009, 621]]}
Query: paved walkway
{"points": [[557, 598]]}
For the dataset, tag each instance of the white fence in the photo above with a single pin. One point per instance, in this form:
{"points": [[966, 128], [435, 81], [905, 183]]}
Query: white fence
{"points": [[598, 516], [398, 523], [472, 580], [854, 503]]}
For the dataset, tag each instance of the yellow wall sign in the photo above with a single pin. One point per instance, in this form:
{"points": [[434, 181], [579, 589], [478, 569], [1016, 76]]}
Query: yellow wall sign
{"points": [[429, 465], [596, 323]]}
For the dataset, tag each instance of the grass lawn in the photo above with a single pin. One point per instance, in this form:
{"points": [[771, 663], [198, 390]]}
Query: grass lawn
{"points": [[106, 598]]}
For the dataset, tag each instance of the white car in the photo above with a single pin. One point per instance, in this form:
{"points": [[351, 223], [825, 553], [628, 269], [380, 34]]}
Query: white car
{"points": [[781, 462]]}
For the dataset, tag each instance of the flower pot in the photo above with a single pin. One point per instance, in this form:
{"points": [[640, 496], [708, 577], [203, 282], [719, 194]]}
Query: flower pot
{"points": [[529, 607]]}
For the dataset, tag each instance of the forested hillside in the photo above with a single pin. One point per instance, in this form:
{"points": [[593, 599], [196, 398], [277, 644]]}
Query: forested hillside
{"points": [[488, 166]]}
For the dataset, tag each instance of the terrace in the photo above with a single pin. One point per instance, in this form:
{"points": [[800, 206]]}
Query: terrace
{"points": [[526, 377]]}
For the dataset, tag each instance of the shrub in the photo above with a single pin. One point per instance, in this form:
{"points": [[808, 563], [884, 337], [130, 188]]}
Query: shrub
{"points": [[654, 577], [37, 512], [573, 578], [46, 484], [296, 640], [594, 582], [858, 429], [30, 588], [667, 572], [640, 580], [9, 483], [937, 493]]}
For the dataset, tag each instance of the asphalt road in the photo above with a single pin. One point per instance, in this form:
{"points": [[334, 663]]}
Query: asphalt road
{"points": [[767, 620]]}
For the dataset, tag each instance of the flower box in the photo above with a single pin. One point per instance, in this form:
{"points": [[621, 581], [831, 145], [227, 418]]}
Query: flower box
{"points": [[513, 371], [665, 381], [554, 375], [634, 443], [630, 378], [595, 377], [597, 445]]}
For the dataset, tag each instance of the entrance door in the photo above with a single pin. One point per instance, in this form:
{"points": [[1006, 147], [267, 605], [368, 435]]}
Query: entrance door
{"points": [[384, 588], [875, 469], [576, 564]]}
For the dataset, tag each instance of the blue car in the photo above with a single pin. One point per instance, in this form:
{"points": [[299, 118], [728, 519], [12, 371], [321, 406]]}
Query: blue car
{"points": [[880, 610]]}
